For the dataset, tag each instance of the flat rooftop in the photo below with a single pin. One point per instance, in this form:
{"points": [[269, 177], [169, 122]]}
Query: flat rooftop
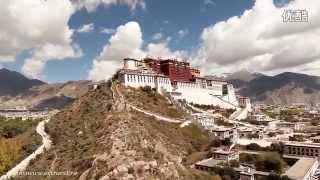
{"points": [[140, 72], [300, 168], [208, 162], [244, 129], [221, 128], [226, 152], [315, 145]]}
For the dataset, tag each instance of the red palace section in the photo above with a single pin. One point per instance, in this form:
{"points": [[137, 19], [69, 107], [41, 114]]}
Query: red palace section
{"points": [[176, 70]]}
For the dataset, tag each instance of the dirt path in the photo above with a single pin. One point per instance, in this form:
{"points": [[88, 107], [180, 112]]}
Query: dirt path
{"points": [[159, 117], [46, 144], [119, 99]]}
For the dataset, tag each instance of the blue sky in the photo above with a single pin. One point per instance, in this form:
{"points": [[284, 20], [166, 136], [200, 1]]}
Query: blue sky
{"points": [[164, 16], [218, 36]]}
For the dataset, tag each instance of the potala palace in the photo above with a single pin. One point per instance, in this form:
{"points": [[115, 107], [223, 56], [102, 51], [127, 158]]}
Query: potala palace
{"points": [[181, 81]]}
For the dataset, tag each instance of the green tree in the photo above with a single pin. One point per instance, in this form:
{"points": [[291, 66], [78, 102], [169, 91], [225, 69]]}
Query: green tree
{"points": [[215, 143], [278, 147], [253, 147], [270, 162]]}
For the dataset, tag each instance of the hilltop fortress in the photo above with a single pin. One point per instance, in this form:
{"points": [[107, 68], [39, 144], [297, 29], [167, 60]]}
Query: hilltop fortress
{"points": [[182, 81]]}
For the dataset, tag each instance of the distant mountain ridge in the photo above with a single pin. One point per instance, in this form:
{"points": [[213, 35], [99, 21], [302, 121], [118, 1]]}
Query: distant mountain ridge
{"points": [[284, 88], [244, 75], [18, 90], [13, 83]]}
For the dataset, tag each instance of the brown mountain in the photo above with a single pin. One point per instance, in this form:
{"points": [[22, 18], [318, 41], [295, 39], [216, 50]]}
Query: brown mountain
{"points": [[285, 88], [18, 90], [244, 75], [13, 83]]}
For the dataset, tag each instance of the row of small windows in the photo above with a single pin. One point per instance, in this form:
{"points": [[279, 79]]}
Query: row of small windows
{"points": [[303, 151], [146, 79], [190, 85]]}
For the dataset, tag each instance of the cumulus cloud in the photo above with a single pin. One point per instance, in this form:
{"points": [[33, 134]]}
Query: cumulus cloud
{"points": [[91, 5], [259, 40], [86, 28], [38, 26], [34, 66], [162, 49], [126, 42], [22, 27]]}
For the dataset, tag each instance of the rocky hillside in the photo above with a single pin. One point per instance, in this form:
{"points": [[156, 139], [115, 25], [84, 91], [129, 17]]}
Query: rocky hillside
{"points": [[290, 94], [285, 88], [100, 136]]}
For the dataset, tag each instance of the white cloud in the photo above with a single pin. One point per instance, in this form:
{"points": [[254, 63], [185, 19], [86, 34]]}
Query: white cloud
{"points": [[34, 66], [183, 32], [35, 25], [209, 3], [91, 5], [22, 26], [126, 42], [85, 28], [259, 40], [108, 31], [103, 69], [161, 49], [206, 5], [157, 36]]}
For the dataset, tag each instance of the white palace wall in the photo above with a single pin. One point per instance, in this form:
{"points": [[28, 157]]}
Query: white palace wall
{"points": [[192, 92], [231, 96], [141, 80]]}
